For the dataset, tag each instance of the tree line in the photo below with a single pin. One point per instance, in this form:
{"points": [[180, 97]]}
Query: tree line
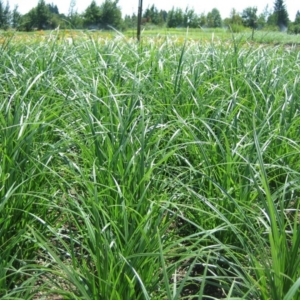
{"points": [[108, 15]]}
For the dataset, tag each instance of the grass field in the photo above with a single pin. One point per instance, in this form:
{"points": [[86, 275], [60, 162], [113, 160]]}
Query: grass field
{"points": [[220, 34], [167, 169]]}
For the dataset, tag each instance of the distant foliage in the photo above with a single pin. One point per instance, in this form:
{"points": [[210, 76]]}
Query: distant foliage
{"points": [[92, 15], [235, 18], [249, 16], [111, 15], [235, 22], [53, 9], [175, 18], [74, 18], [214, 18], [15, 18], [130, 21], [5, 15], [179, 18], [295, 26], [281, 17], [190, 18], [42, 15], [154, 16], [108, 15]]}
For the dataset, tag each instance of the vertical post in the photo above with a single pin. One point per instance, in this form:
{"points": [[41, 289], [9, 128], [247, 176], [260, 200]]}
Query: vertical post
{"points": [[139, 23]]}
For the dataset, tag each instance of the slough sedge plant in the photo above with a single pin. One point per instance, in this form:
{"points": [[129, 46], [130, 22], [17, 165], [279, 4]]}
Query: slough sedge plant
{"points": [[159, 170]]}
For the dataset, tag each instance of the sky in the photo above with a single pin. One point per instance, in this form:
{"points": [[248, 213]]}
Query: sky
{"points": [[130, 6]]}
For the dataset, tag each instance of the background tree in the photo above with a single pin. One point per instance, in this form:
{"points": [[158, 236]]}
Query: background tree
{"points": [[72, 8], [263, 17], [175, 18], [214, 18], [271, 21], [163, 15], [42, 17], [92, 15], [179, 17], [171, 22], [130, 21], [111, 14], [249, 16], [28, 21], [56, 19], [281, 16], [1, 13], [235, 17], [190, 18], [297, 23], [5, 15], [15, 18], [152, 14], [234, 22], [295, 26], [74, 19], [53, 9], [202, 20]]}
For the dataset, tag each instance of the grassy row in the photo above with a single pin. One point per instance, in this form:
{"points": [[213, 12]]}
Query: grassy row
{"points": [[156, 170], [179, 34], [207, 34]]}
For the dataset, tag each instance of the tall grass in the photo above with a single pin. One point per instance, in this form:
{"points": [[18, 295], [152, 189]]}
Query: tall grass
{"points": [[158, 170]]}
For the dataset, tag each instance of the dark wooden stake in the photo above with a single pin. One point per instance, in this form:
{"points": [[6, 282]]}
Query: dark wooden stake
{"points": [[139, 24]]}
